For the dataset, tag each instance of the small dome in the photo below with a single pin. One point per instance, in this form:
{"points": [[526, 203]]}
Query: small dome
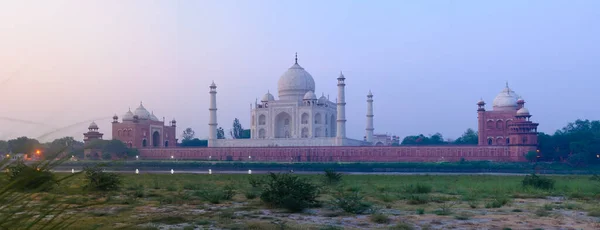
{"points": [[481, 102], [173, 121], [310, 95], [152, 117], [294, 83], [142, 113], [115, 117], [128, 116], [93, 125], [505, 100], [267, 97], [520, 101], [523, 112], [322, 100]]}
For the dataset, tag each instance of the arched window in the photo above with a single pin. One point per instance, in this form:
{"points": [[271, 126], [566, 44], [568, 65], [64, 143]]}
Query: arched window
{"points": [[490, 124], [144, 143], [262, 119], [304, 132], [166, 143], [507, 141], [286, 122], [261, 133], [490, 141], [304, 118], [524, 140], [499, 124], [318, 118], [119, 133]]}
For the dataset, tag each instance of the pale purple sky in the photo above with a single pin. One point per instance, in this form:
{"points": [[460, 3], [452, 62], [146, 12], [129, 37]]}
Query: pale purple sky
{"points": [[427, 62]]}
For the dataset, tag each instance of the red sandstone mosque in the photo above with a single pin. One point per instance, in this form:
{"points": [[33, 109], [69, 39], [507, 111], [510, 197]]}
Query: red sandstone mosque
{"points": [[299, 127]]}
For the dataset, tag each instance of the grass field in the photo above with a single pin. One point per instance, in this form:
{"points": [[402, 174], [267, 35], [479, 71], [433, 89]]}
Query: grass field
{"points": [[187, 201]]}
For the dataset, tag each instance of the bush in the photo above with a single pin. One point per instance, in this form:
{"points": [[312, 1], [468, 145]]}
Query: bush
{"points": [[538, 182], [419, 188], [32, 178], [350, 202], [332, 177], [497, 203], [380, 218], [215, 196], [98, 180], [288, 191], [418, 199]]}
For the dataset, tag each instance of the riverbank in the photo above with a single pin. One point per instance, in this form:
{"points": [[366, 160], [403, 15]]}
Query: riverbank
{"points": [[347, 167]]}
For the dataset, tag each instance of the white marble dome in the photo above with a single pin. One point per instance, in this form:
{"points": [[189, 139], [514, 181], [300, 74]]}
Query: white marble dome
{"points": [[310, 95], [153, 117], [294, 83], [505, 100], [267, 97], [128, 116], [142, 113], [523, 112], [323, 99]]}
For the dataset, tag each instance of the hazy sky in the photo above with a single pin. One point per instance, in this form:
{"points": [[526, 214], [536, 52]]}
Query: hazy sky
{"points": [[427, 62]]}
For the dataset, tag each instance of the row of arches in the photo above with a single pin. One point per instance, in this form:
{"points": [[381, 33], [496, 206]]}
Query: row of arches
{"points": [[124, 132], [505, 141], [499, 124]]}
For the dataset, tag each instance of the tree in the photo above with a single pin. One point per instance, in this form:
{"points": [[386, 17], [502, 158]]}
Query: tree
{"points": [[236, 131], [24, 145], [531, 156], [469, 137], [4, 146], [435, 139], [220, 133], [65, 145], [188, 134], [194, 143], [245, 134], [116, 147]]}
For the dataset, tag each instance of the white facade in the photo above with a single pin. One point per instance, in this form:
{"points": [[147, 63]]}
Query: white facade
{"points": [[296, 118]]}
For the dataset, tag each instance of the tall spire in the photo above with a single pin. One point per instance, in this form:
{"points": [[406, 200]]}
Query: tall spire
{"points": [[296, 57], [506, 84]]}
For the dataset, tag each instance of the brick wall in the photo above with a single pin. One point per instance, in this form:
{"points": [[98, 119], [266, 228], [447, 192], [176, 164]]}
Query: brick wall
{"points": [[339, 154]]}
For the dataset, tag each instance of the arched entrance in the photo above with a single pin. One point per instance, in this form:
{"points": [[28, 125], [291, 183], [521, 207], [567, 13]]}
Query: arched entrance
{"points": [[283, 125], [155, 139], [144, 143], [333, 126]]}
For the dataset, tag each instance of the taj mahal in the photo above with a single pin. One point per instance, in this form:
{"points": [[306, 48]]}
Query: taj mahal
{"points": [[297, 117]]}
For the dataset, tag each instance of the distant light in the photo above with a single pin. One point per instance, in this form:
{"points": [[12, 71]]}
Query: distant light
{"points": [[171, 157], [209, 171], [137, 157], [172, 171], [249, 171], [38, 152]]}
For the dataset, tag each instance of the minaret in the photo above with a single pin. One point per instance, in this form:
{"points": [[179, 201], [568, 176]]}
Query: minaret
{"points": [[212, 124], [341, 110], [482, 139], [370, 117]]}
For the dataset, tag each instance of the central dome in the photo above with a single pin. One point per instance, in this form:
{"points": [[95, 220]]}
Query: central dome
{"points": [[294, 83], [506, 100]]}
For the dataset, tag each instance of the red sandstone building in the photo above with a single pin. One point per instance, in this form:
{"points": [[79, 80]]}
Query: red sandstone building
{"points": [[506, 133], [142, 129]]}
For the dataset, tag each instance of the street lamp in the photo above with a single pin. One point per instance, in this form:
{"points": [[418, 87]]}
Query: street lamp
{"points": [[171, 156]]}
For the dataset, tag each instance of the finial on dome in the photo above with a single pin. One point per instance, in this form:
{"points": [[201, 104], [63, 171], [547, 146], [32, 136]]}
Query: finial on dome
{"points": [[507, 84], [296, 57]]}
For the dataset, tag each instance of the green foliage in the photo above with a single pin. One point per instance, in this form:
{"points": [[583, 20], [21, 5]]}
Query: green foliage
{"points": [[420, 211], [415, 199], [469, 137], [351, 202], [188, 134], [538, 182], [402, 226], [106, 156], [21, 210], [216, 196], [435, 139], [220, 133], [24, 145], [30, 178], [288, 191], [194, 143], [497, 202], [98, 180], [237, 131], [332, 177], [531, 156], [418, 188]]}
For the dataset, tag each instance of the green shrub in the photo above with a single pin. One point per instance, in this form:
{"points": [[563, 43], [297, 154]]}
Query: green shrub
{"points": [[538, 182], [98, 180], [594, 212], [419, 188], [402, 226], [420, 211], [332, 177], [380, 218], [288, 191], [251, 194], [350, 202], [497, 202], [418, 199], [30, 178], [215, 196]]}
